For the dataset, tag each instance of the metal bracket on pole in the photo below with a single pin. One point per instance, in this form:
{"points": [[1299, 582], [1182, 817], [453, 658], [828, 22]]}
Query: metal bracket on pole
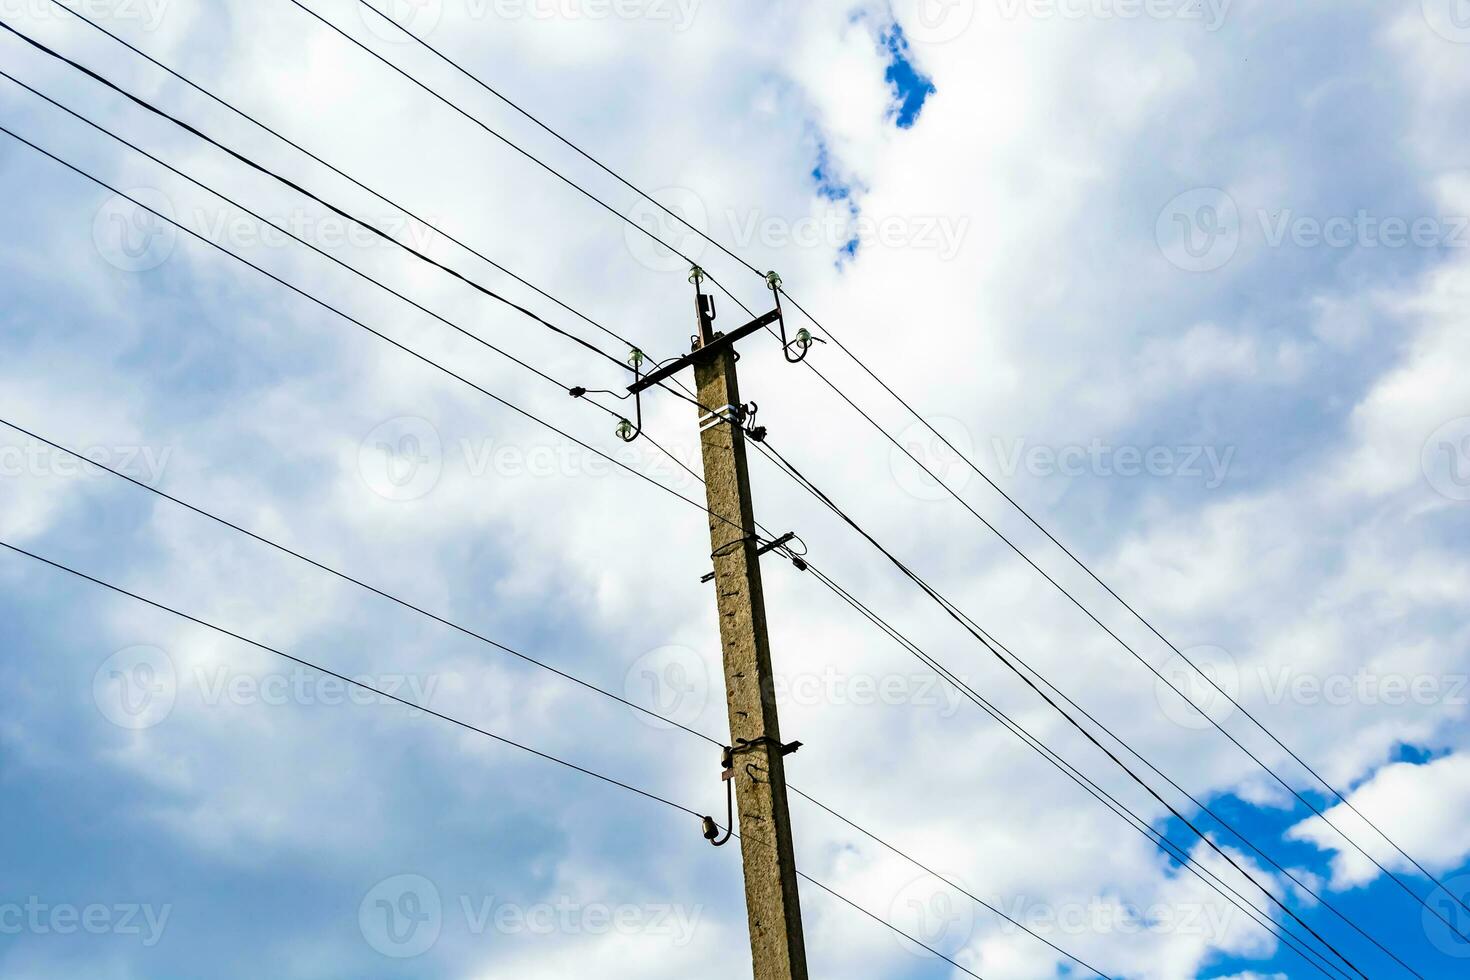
{"points": [[727, 776], [709, 342], [767, 548]]}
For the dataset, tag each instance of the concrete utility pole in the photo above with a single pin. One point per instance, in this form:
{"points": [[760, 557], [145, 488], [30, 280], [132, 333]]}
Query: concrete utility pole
{"points": [[771, 900], [755, 761]]}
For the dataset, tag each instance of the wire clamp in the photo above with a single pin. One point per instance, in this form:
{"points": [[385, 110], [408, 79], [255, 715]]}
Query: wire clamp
{"points": [[782, 544], [711, 829]]}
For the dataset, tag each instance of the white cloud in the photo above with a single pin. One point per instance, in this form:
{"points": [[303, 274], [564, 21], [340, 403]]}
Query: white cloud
{"points": [[1415, 805]]}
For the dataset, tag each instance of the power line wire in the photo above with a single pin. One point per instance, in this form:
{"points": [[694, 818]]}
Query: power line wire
{"points": [[782, 463], [381, 336], [345, 215], [261, 168], [559, 137], [475, 729], [1296, 793], [359, 582], [345, 265], [363, 685], [333, 309], [916, 863], [1135, 822], [464, 630], [948, 607], [1009, 499], [299, 556], [437, 229], [503, 139], [345, 316]]}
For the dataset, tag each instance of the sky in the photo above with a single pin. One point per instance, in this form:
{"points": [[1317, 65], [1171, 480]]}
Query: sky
{"points": [[1187, 279]]}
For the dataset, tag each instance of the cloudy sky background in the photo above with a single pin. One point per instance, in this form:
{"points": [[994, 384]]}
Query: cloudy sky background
{"points": [[1191, 285]]}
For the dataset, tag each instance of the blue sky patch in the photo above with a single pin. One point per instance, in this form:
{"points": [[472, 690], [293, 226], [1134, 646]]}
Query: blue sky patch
{"points": [[911, 87]]}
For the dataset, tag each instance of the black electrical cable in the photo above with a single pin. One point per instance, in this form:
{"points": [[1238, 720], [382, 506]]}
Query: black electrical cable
{"points": [[332, 258], [503, 139], [344, 175], [286, 181], [558, 136], [488, 129], [774, 457], [1296, 793], [344, 214], [355, 581], [451, 720], [315, 248], [947, 606], [344, 678], [1198, 804], [467, 632], [1151, 628], [381, 336], [974, 898], [1168, 847], [340, 313], [717, 244]]}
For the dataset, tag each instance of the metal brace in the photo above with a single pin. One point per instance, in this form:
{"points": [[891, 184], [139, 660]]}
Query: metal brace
{"points": [[766, 548], [727, 762]]}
